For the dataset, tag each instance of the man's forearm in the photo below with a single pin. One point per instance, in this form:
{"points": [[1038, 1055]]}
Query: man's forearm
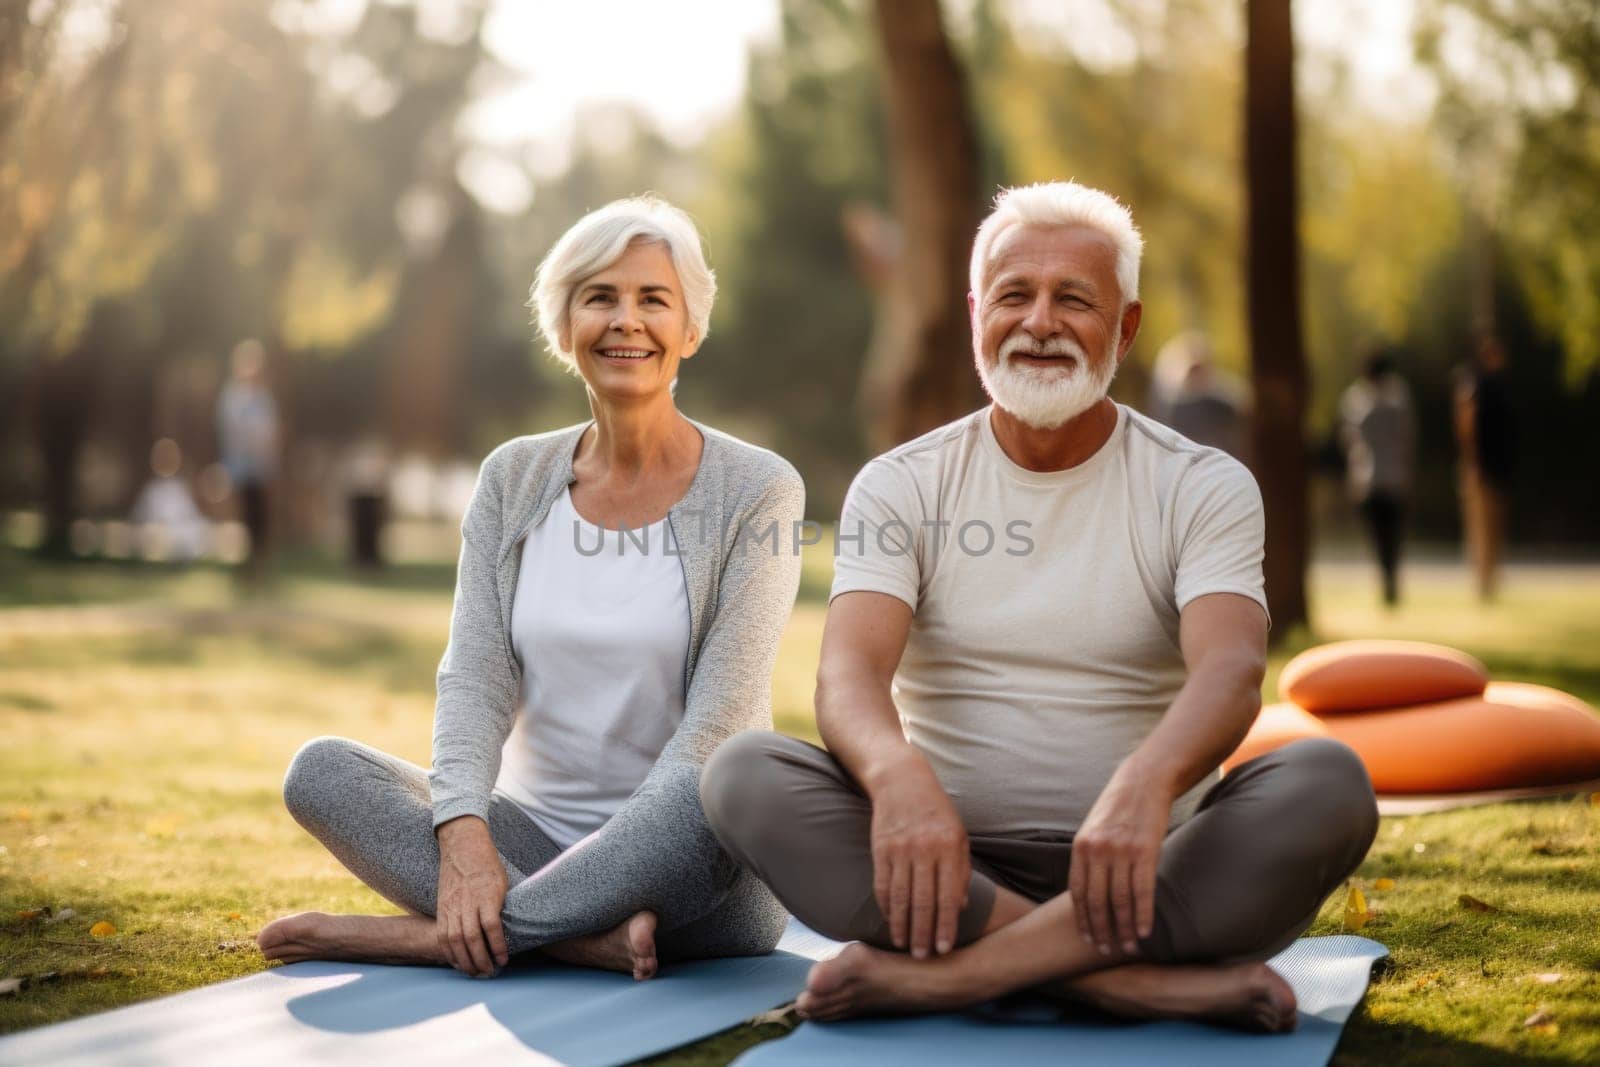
{"points": [[861, 728], [1212, 713]]}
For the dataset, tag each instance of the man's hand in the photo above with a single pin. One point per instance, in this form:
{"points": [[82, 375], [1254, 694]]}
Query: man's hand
{"points": [[472, 889], [1114, 853], [920, 864]]}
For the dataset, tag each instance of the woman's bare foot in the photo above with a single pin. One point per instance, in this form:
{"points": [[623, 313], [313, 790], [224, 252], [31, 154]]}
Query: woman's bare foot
{"points": [[314, 935], [629, 947], [1251, 996]]}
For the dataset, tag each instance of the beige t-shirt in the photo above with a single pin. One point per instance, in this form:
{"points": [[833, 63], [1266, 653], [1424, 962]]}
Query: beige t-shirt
{"points": [[1044, 644]]}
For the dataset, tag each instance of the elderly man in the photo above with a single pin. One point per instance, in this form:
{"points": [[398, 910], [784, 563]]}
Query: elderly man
{"points": [[1046, 630]]}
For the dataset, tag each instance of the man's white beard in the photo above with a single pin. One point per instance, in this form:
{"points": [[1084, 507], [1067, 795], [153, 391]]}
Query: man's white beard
{"points": [[1046, 397]]}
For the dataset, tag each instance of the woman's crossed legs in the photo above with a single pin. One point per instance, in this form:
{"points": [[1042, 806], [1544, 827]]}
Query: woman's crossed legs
{"points": [[657, 886]]}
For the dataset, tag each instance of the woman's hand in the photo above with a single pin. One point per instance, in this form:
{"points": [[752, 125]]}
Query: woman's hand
{"points": [[472, 889]]}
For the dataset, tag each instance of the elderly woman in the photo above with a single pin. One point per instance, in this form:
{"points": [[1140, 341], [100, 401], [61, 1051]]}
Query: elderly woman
{"points": [[613, 624]]}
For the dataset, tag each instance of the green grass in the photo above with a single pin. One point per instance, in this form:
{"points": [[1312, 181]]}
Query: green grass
{"points": [[148, 715]]}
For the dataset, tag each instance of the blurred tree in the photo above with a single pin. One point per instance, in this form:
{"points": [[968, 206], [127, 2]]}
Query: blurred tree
{"points": [[111, 150], [1277, 357], [784, 359], [918, 374], [206, 171], [1521, 99]]}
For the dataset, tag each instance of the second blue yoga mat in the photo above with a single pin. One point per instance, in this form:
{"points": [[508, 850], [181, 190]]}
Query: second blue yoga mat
{"points": [[1329, 976]]}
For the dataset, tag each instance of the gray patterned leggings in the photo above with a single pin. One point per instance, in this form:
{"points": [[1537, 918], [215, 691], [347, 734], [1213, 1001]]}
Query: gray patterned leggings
{"points": [[373, 811]]}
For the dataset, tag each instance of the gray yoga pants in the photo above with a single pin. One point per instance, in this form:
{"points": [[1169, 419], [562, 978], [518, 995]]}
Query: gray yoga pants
{"points": [[1239, 880], [374, 812]]}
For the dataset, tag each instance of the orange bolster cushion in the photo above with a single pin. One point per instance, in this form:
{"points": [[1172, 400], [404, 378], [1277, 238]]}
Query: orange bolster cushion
{"points": [[1276, 726], [1515, 735], [1365, 675]]}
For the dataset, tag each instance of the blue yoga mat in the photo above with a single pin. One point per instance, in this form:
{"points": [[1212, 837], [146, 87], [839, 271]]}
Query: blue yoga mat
{"points": [[1329, 976], [342, 1013]]}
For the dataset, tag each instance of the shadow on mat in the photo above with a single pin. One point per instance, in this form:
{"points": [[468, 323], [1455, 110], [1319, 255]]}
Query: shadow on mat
{"points": [[387, 998], [572, 1013]]}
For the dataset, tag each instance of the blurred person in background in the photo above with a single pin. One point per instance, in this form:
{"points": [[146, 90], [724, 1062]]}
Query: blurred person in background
{"points": [[171, 524], [1485, 428], [248, 439], [1378, 432], [365, 474], [1190, 394], [613, 624]]}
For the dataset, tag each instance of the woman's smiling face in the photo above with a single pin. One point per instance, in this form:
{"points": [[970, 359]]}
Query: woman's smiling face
{"points": [[628, 327]]}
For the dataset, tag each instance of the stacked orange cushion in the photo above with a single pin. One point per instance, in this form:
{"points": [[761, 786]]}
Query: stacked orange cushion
{"points": [[1514, 736], [1426, 719], [1366, 675]]}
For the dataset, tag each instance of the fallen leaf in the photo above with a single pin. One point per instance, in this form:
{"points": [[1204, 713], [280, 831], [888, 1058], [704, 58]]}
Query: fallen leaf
{"points": [[31, 914], [1356, 914], [102, 929], [784, 1017], [42, 841], [1547, 979], [1472, 903], [1383, 883], [1539, 1018], [234, 916], [1429, 980]]}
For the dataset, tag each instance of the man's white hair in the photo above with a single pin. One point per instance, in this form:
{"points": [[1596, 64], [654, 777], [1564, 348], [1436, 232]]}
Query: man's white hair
{"points": [[598, 240], [1061, 204]]}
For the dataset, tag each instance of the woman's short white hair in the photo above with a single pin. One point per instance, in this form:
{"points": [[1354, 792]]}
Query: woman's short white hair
{"points": [[598, 240], [1061, 204]]}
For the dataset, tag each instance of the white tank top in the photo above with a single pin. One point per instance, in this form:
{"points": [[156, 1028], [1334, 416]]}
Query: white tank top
{"points": [[600, 625]]}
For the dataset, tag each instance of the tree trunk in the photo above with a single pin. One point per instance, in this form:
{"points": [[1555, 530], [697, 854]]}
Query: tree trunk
{"points": [[63, 392], [1277, 358], [919, 371]]}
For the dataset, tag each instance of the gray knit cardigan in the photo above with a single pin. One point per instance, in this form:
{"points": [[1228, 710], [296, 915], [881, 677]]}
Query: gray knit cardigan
{"points": [[740, 571]]}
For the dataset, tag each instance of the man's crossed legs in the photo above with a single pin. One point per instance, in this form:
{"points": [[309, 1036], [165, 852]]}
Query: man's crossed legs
{"points": [[1236, 883]]}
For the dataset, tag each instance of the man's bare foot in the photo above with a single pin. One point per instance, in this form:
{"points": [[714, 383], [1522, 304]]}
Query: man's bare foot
{"points": [[629, 947], [864, 980], [1251, 996], [315, 935]]}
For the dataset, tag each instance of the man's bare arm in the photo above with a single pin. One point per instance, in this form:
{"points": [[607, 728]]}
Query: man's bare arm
{"points": [[919, 846], [1112, 881], [862, 641], [1224, 642]]}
